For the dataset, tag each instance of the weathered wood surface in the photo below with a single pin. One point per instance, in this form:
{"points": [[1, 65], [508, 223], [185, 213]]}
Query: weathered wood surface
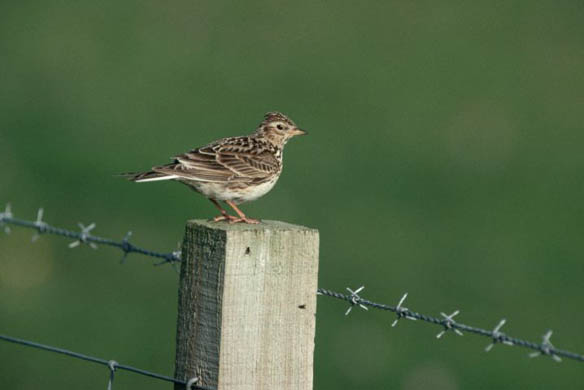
{"points": [[247, 305]]}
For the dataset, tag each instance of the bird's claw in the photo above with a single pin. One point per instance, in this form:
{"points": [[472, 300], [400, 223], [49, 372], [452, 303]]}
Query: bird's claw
{"points": [[232, 219], [245, 220], [224, 217]]}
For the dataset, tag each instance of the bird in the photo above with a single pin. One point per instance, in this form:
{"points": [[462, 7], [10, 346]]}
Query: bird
{"points": [[234, 170]]}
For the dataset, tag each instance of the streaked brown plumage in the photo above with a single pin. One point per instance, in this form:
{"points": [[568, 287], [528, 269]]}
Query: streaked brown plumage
{"points": [[235, 169]]}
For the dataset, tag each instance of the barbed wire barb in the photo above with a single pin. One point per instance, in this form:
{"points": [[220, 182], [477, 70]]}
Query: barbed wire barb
{"points": [[176, 257], [402, 312], [498, 336], [546, 348], [4, 217], [85, 234], [191, 382], [126, 247], [173, 263], [355, 299], [39, 224], [112, 365], [448, 323]]}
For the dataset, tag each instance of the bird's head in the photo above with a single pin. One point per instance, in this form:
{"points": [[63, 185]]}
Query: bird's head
{"points": [[278, 128]]}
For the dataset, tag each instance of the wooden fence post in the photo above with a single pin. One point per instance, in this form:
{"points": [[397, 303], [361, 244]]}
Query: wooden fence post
{"points": [[247, 305]]}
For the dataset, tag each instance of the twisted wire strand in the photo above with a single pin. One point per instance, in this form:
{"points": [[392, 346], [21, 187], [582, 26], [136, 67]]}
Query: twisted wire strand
{"points": [[494, 335], [544, 348], [86, 237], [104, 362]]}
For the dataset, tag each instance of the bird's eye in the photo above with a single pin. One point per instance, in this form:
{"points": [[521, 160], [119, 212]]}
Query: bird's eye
{"points": [[280, 127]]}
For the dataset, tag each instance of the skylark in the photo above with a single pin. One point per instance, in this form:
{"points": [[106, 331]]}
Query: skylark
{"points": [[235, 169]]}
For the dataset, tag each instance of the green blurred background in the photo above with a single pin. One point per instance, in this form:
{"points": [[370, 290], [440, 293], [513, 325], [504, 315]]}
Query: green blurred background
{"points": [[444, 159]]}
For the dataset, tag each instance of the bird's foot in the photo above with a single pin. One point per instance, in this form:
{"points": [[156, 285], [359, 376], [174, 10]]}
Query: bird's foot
{"points": [[225, 217], [245, 220]]}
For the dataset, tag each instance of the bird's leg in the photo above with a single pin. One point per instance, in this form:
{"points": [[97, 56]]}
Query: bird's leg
{"points": [[224, 216], [242, 217]]}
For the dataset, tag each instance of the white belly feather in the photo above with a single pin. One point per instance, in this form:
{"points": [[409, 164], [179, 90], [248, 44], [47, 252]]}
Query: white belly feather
{"points": [[238, 194]]}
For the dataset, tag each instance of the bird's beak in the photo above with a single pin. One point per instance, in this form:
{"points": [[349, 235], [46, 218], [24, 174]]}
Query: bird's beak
{"points": [[298, 131]]}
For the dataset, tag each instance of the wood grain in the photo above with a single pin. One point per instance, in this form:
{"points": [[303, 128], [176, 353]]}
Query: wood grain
{"points": [[247, 305]]}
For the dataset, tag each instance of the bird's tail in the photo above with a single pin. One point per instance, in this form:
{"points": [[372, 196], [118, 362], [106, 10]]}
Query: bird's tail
{"points": [[142, 177]]}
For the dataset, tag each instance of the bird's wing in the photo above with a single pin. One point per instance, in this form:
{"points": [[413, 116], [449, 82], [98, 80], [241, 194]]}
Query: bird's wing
{"points": [[228, 160], [248, 158]]}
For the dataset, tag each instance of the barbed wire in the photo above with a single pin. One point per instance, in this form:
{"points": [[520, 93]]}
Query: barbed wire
{"points": [[111, 364], [447, 321], [448, 324], [83, 236]]}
